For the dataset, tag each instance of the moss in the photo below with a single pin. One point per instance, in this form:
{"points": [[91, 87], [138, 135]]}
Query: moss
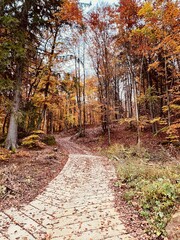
{"points": [[49, 140], [32, 137], [13, 150], [33, 142]]}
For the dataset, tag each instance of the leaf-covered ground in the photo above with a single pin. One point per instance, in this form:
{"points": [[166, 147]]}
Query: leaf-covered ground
{"points": [[25, 174], [123, 134], [138, 172]]}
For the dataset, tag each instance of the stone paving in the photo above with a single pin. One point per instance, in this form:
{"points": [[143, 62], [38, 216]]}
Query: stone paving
{"points": [[77, 205]]}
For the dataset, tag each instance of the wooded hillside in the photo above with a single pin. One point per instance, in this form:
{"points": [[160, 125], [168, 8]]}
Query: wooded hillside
{"points": [[61, 68]]}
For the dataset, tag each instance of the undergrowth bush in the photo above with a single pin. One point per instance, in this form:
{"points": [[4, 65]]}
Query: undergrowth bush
{"points": [[33, 142], [38, 140], [49, 140], [155, 187], [38, 132]]}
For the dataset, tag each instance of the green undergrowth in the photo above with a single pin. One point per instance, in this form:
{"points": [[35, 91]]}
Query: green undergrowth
{"points": [[153, 186], [49, 140], [38, 141]]}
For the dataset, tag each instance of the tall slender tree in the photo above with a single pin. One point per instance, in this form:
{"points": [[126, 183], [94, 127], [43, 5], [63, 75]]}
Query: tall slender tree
{"points": [[21, 24]]}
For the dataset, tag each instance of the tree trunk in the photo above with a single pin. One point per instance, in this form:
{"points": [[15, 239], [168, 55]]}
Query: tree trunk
{"points": [[11, 140], [135, 102], [84, 91], [43, 120], [5, 123], [136, 113], [167, 94], [51, 58]]}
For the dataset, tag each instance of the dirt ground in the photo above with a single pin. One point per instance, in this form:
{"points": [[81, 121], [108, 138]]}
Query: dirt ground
{"points": [[129, 215], [121, 134], [165, 155], [26, 174]]}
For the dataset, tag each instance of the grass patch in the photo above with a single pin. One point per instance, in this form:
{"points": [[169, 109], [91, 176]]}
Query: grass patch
{"points": [[154, 186]]}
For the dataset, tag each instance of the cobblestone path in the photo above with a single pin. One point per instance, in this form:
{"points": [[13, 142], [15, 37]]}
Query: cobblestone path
{"points": [[77, 205]]}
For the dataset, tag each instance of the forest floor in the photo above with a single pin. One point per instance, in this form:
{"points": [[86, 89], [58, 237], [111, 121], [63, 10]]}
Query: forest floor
{"points": [[160, 157], [77, 204], [27, 173], [123, 135]]}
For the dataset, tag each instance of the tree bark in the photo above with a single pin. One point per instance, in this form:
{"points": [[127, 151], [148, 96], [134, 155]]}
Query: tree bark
{"points": [[84, 91], [51, 58], [11, 139], [5, 123]]}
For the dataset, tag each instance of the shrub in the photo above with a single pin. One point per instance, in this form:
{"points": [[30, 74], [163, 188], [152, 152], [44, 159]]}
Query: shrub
{"points": [[155, 187], [33, 142], [38, 141], [128, 195], [49, 140], [157, 203], [38, 132]]}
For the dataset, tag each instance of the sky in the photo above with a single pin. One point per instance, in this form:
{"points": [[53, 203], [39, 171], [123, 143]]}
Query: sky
{"points": [[94, 2], [69, 65], [109, 1]]}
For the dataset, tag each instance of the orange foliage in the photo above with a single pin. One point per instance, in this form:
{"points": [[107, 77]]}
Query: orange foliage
{"points": [[70, 12], [128, 12]]}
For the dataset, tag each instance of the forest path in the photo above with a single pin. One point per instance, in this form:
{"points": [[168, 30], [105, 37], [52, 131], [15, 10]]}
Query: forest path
{"points": [[77, 205]]}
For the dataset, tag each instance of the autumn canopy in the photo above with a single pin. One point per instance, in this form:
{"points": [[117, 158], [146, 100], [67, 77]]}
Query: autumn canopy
{"points": [[64, 67]]}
